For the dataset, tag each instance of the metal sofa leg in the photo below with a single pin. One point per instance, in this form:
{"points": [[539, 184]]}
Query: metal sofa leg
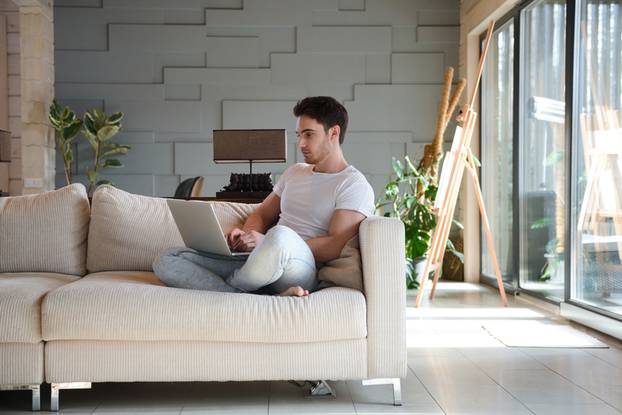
{"points": [[321, 388], [36, 397], [36, 393], [56, 387], [397, 387], [316, 388]]}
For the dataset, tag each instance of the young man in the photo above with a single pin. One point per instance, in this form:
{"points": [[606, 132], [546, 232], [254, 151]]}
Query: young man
{"points": [[317, 207]]}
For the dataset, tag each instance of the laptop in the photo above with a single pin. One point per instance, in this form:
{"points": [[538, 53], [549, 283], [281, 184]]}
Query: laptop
{"points": [[199, 227]]}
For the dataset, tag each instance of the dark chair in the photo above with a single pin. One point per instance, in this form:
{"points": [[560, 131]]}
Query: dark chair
{"points": [[188, 188]]}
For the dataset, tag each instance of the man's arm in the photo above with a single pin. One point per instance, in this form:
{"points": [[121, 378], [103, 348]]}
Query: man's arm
{"points": [[256, 225], [266, 215], [344, 224]]}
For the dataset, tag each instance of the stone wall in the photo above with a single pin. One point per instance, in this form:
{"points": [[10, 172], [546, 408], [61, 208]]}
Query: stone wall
{"points": [[30, 79], [10, 115], [37, 92]]}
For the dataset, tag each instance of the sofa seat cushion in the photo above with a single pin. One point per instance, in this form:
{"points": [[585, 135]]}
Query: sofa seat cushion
{"points": [[21, 294], [126, 305]]}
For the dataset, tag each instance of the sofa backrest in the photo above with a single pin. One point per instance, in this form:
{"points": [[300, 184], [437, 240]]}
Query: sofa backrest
{"points": [[129, 231], [45, 232]]}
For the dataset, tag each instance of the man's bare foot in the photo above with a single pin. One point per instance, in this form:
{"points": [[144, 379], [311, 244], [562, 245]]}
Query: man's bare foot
{"points": [[295, 292]]}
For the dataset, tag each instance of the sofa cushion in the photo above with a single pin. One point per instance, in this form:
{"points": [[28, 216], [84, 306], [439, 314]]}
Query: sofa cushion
{"points": [[345, 271], [136, 306], [46, 232], [128, 231], [20, 303], [232, 215]]}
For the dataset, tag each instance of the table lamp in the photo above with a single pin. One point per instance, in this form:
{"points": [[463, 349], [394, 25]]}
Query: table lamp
{"points": [[249, 146]]}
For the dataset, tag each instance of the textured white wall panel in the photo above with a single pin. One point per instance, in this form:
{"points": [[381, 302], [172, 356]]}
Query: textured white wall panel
{"points": [[356, 39], [417, 68], [259, 114], [441, 34], [317, 68], [179, 69], [395, 107], [351, 4], [378, 69], [164, 186]]}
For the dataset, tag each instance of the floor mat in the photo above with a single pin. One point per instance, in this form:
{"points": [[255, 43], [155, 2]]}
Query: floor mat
{"points": [[540, 334]]}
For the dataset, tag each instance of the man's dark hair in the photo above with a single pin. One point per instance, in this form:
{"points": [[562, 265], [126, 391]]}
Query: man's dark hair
{"points": [[326, 111]]}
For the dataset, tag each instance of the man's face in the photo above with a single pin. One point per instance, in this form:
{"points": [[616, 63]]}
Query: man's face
{"points": [[315, 143]]}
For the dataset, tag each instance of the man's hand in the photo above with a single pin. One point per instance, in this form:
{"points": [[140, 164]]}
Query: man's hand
{"points": [[241, 241], [233, 236]]}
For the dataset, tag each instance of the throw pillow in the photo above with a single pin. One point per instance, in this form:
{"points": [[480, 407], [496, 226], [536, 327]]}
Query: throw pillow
{"points": [[128, 231], [232, 215], [345, 271], [45, 232]]}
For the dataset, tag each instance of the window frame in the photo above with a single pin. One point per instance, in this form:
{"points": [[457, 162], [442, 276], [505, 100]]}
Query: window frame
{"points": [[572, 55]]}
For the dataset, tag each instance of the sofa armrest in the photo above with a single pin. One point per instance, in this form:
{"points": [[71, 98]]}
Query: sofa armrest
{"points": [[384, 271]]}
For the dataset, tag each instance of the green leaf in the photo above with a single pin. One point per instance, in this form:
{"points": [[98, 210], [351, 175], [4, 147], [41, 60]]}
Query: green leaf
{"points": [[541, 223], [54, 121], [554, 157], [115, 151], [115, 118], [107, 132], [92, 140], [411, 165], [450, 245], [89, 124], [458, 255], [476, 161], [91, 176], [546, 272], [458, 224], [103, 181], [54, 108], [112, 163], [99, 115], [72, 130], [398, 168]]}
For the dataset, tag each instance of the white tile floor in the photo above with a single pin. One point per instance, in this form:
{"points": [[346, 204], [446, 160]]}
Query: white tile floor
{"points": [[455, 367]]}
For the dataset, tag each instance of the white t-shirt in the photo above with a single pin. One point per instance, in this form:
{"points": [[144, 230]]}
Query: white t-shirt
{"points": [[309, 199]]}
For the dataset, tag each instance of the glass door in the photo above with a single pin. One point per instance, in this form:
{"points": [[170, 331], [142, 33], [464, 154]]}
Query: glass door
{"points": [[542, 180], [596, 266]]}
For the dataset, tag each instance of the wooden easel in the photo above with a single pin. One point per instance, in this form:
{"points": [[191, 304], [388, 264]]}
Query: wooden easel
{"points": [[454, 163]]}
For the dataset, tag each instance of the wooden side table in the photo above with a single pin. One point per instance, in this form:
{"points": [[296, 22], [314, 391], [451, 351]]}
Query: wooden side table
{"points": [[221, 199]]}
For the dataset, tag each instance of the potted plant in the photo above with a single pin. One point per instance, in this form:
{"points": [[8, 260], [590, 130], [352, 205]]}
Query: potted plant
{"points": [[67, 127], [410, 196], [99, 129]]}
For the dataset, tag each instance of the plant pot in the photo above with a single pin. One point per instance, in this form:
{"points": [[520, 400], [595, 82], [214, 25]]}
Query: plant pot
{"points": [[555, 262], [417, 266]]}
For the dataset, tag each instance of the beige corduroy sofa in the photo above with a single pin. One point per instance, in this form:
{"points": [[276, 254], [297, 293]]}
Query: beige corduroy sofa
{"points": [[79, 304]]}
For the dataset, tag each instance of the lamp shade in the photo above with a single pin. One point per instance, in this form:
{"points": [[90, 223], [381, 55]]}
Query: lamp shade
{"points": [[262, 146]]}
